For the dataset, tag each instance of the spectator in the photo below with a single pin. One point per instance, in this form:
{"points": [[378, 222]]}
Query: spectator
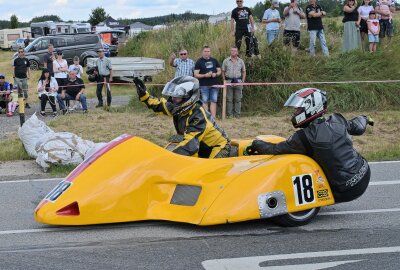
{"points": [[60, 69], [13, 104], [207, 69], [244, 25], [47, 90], [234, 71], [74, 90], [5, 91], [78, 68], [314, 14], [104, 70], [184, 65], [27, 41], [272, 18], [351, 35], [384, 8], [364, 11], [373, 31], [21, 75], [49, 58], [293, 15]]}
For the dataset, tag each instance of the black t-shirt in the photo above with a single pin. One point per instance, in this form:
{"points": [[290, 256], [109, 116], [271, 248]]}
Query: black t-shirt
{"points": [[48, 59], [21, 67], [350, 16], [314, 23], [74, 87], [205, 66], [241, 17]]}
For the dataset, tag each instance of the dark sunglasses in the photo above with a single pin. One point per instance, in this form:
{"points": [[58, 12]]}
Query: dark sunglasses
{"points": [[239, 1], [21, 52], [2, 78], [183, 53]]}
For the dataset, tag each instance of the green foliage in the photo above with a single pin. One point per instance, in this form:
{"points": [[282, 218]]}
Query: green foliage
{"points": [[187, 16], [279, 64], [44, 18], [97, 16], [14, 23]]}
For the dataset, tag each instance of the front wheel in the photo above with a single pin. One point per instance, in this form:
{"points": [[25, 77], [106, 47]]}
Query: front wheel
{"points": [[33, 65], [296, 219]]}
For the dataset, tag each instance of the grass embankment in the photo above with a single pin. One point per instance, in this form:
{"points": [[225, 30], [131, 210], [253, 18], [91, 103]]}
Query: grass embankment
{"points": [[264, 104]]}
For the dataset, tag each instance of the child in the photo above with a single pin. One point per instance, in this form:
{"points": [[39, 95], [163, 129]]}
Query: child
{"points": [[373, 31], [78, 68], [13, 104]]}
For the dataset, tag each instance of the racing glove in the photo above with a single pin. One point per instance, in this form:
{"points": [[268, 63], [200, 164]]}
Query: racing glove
{"points": [[251, 149], [140, 87], [370, 121]]}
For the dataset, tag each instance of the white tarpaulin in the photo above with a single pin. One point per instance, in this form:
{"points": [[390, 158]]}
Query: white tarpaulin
{"points": [[54, 148]]}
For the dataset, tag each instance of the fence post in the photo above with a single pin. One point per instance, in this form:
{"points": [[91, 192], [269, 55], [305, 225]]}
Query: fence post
{"points": [[224, 102], [21, 108]]}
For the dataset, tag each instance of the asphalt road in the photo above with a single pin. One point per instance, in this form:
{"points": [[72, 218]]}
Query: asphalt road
{"points": [[364, 234]]}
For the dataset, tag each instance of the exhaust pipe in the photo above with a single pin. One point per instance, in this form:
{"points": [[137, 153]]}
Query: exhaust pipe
{"points": [[272, 202]]}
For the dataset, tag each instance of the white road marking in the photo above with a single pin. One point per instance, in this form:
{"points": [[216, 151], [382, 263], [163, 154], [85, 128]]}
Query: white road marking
{"points": [[385, 183], [371, 211], [310, 266], [32, 180], [28, 231], [254, 262], [384, 162]]}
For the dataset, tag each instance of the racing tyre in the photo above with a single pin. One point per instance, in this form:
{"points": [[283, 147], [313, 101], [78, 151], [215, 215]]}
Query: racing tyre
{"points": [[296, 219], [33, 65], [84, 63]]}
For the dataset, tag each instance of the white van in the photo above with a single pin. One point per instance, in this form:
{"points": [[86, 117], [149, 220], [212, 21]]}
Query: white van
{"points": [[7, 36]]}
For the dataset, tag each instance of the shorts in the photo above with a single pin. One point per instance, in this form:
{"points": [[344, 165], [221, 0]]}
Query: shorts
{"points": [[373, 38], [386, 28], [209, 94]]}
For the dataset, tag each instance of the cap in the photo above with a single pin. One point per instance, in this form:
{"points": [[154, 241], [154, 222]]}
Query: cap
{"points": [[59, 52], [372, 12], [275, 3], [100, 50], [2, 76]]}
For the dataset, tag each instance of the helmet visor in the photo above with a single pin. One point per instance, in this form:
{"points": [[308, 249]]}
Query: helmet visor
{"points": [[177, 90], [294, 101]]}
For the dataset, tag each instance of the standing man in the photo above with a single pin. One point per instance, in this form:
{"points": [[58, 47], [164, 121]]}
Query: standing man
{"points": [[105, 77], [272, 18], [234, 71], [207, 70], [244, 25], [184, 65], [21, 74], [314, 14], [49, 58], [293, 15], [74, 90], [5, 91]]}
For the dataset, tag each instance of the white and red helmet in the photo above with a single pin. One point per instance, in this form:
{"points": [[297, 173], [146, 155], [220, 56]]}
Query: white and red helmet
{"points": [[311, 103]]}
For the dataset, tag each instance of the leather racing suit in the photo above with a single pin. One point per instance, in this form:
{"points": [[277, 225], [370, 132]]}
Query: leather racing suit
{"points": [[202, 137], [328, 142]]}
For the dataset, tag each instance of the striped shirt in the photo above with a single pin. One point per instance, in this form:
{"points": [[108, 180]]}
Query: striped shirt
{"points": [[184, 67]]}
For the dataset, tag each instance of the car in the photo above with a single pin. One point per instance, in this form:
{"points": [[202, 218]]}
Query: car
{"points": [[83, 45], [18, 43], [132, 179]]}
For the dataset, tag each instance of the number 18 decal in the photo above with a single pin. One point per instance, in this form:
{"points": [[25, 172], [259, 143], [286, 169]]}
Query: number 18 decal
{"points": [[303, 188]]}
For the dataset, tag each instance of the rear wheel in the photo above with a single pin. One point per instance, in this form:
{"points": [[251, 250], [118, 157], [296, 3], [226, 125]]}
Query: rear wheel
{"points": [[296, 219], [34, 65], [84, 62]]}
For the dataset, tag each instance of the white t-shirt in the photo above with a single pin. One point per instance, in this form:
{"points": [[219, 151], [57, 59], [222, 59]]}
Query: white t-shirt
{"points": [[272, 14], [78, 69], [364, 11], [61, 64]]}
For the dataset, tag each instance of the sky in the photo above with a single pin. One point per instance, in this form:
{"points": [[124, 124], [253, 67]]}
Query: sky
{"points": [[79, 10]]}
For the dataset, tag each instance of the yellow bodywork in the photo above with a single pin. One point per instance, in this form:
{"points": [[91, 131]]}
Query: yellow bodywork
{"points": [[135, 180]]}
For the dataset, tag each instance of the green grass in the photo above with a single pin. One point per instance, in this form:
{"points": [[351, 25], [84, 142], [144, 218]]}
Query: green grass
{"points": [[12, 149], [60, 171]]}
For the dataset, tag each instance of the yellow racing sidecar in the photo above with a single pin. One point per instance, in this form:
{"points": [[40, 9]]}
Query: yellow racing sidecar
{"points": [[132, 179]]}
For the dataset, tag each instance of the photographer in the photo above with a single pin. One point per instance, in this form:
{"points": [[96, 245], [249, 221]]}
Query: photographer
{"points": [[293, 15], [47, 90]]}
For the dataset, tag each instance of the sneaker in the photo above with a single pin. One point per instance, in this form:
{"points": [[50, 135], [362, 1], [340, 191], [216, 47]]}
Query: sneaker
{"points": [[71, 109], [43, 114], [64, 111], [85, 111], [27, 106], [9, 114], [55, 114], [99, 105]]}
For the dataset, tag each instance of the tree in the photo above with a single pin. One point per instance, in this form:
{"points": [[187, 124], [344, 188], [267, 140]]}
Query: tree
{"points": [[14, 21], [98, 15], [44, 18]]}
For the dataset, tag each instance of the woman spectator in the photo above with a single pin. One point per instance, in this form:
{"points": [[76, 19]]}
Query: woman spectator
{"points": [[60, 69], [47, 89], [351, 35], [364, 10]]}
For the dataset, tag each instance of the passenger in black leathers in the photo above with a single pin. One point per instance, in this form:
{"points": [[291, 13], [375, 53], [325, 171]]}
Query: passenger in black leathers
{"points": [[327, 141]]}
